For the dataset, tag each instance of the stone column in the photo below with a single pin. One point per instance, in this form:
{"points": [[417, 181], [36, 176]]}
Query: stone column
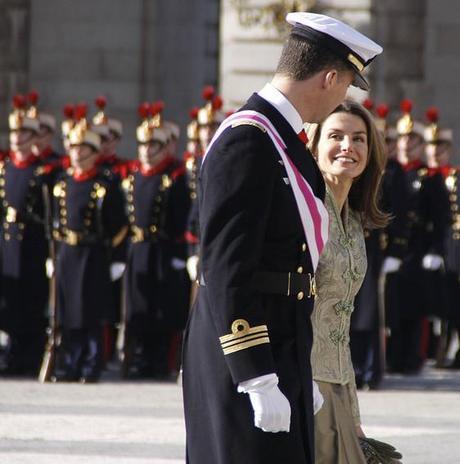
{"points": [[14, 57]]}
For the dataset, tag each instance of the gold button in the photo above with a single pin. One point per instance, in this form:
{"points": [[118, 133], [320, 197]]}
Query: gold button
{"points": [[304, 247], [300, 270], [300, 296]]}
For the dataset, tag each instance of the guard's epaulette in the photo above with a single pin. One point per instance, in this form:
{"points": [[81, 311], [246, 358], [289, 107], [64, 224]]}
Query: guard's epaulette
{"points": [[248, 122], [422, 172]]}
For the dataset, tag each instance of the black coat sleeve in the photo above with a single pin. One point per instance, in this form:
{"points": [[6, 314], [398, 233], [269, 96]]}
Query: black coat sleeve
{"points": [[236, 187]]}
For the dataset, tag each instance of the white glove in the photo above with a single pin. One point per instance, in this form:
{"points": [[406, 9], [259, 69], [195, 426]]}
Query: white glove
{"points": [[192, 267], [272, 411], [318, 399], [177, 264], [391, 264], [432, 262], [116, 270], [49, 266]]}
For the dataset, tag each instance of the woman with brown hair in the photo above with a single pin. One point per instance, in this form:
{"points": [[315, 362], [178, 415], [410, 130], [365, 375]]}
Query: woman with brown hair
{"points": [[350, 155]]}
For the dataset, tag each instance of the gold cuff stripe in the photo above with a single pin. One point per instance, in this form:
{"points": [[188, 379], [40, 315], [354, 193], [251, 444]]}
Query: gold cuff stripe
{"points": [[245, 345], [242, 333], [244, 339]]}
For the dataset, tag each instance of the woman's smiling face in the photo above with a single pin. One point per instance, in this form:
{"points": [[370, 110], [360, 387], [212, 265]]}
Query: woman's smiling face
{"points": [[343, 146]]}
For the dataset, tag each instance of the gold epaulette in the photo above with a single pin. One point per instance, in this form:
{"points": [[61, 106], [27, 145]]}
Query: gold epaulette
{"points": [[243, 337], [249, 122]]}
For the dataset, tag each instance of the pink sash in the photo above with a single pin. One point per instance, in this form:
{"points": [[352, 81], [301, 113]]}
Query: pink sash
{"points": [[313, 214]]}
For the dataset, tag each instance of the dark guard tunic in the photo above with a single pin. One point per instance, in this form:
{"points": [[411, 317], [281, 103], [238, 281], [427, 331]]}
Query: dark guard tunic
{"points": [[89, 224], [89, 215], [413, 286], [23, 251], [249, 222], [156, 281], [368, 319]]}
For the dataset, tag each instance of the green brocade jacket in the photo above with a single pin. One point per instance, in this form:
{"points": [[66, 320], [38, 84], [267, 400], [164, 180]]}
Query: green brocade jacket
{"points": [[339, 276]]}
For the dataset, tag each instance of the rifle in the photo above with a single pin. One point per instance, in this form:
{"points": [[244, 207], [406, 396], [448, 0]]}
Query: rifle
{"points": [[49, 356]]}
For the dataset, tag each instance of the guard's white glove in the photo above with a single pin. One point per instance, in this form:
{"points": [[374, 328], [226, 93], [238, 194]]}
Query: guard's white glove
{"points": [[432, 262], [192, 267], [272, 411], [116, 270], [177, 264], [49, 266], [391, 264], [318, 399]]}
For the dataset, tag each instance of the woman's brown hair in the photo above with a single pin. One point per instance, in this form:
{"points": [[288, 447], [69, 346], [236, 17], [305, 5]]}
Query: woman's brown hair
{"points": [[365, 192]]}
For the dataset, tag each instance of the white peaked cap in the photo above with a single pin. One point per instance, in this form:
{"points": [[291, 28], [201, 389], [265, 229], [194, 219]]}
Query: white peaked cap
{"points": [[353, 47]]}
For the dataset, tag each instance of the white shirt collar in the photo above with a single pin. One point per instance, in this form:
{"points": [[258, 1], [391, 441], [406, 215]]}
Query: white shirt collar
{"points": [[283, 105]]}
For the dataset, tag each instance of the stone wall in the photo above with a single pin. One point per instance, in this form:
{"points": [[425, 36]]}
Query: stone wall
{"points": [[129, 51], [14, 56]]}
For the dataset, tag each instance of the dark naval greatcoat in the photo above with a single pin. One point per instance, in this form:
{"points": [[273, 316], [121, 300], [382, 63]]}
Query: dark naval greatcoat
{"points": [[250, 227]]}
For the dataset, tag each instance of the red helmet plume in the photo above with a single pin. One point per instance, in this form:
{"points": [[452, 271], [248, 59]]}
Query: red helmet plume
{"points": [[406, 105], [432, 114], [157, 107], [81, 110], [217, 102], [33, 97], [69, 111], [144, 110], [101, 102], [208, 92], [19, 101], [194, 112], [382, 110], [368, 104]]}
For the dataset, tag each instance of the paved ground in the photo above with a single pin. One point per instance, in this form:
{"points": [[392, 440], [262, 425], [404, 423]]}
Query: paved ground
{"points": [[142, 423]]}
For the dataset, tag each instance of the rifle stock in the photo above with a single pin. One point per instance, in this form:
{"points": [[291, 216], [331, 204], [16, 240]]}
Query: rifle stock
{"points": [[49, 355]]}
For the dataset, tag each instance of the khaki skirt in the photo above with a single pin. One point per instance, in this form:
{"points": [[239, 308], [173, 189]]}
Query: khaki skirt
{"points": [[336, 441]]}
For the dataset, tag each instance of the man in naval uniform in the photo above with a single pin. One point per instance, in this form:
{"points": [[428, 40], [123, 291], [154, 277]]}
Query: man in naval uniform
{"points": [[246, 364]]}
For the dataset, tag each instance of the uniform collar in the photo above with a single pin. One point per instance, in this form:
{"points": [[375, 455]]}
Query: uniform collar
{"points": [[22, 164], [159, 168], [412, 165], [85, 175], [271, 94], [46, 153]]}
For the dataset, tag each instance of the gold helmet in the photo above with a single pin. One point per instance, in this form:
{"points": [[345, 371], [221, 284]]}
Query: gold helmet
{"points": [[80, 134], [433, 133], [406, 125], [20, 119], [149, 129], [211, 112]]}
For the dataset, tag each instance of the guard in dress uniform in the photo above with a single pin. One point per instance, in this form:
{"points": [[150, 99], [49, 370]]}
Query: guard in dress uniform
{"points": [[23, 242], [209, 117], [439, 150], [426, 225], [110, 131], [43, 142], [89, 224], [246, 359], [156, 282]]}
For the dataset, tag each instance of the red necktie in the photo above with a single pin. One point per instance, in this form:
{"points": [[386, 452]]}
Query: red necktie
{"points": [[303, 137]]}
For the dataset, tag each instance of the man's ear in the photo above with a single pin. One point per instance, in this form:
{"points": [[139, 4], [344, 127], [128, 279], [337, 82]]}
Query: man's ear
{"points": [[330, 79]]}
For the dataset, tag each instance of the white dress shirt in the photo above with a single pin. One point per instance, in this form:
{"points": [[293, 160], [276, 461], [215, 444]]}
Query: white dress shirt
{"points": [[271, 94]]}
